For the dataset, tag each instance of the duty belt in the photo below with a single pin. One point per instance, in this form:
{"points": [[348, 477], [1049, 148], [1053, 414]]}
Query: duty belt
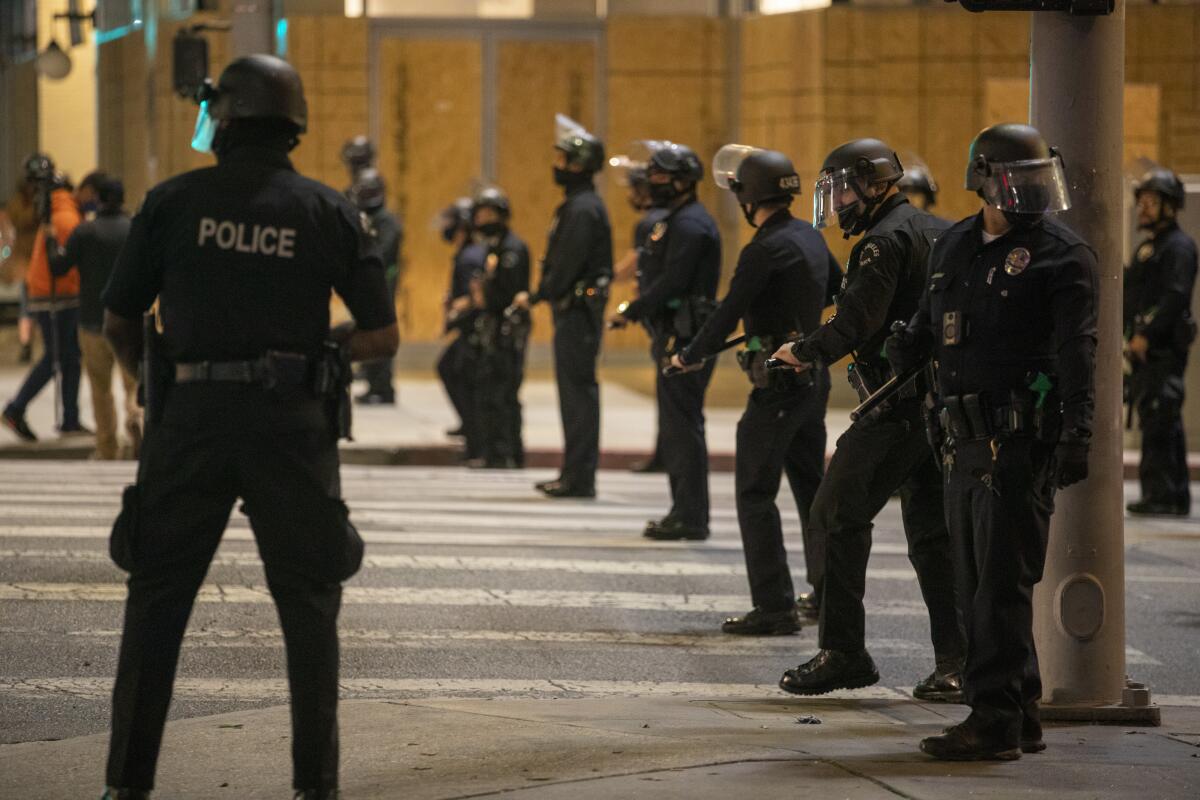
{"points": [[271, 370], [970, 417]]}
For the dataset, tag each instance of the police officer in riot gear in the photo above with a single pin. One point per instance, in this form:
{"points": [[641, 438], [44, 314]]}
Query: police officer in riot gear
{"points": [[368, 193], [680, 267], [917, 182], [1009, 318], [875, 457], [358, 154], [458, 365], [1160, 329], [576, 272], [777, 291], [242, 257], [500, 337], [637, 193]]}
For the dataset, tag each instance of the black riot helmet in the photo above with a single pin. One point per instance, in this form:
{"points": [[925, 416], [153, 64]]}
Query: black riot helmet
{"points": [[755, 176], [1166, 183], [854, 179], [672, 169], [256, 87], [917, 180], [368, 192], [357, 154], [454, 218], [494, 198], [1012, 168], [579, 145], [38, 168]]}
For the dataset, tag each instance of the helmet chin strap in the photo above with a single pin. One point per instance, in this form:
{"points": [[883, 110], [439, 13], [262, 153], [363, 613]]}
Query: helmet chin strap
{"points": [[860, 221]]}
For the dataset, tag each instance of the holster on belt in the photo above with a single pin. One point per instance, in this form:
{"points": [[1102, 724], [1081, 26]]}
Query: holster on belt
{"points": [[332, 377], [158, 373]]}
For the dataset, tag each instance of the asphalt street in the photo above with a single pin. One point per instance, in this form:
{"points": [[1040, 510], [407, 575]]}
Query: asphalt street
{"points": [[474, 586]]}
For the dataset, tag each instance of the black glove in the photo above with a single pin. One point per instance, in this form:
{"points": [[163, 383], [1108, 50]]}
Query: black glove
{"points": [[1070, 463], [906, 347]]}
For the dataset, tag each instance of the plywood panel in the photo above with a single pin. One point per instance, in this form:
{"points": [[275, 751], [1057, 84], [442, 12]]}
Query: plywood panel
{"points": [[429, 152]]}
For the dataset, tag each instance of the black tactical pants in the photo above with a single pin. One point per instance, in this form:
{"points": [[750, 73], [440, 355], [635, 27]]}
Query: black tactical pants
{"points": [[577, 332], [872, 460], [781, 430], [999, 541], [216, 443], [682, 443], [501, 372], [1163, 470], [458, 369]]}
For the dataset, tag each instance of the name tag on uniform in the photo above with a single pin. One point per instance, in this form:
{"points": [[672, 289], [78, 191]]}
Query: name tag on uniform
{"points": [[239, 237]]}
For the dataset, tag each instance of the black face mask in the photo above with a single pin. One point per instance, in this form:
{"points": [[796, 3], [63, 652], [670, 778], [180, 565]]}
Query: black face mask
{"points": [[491, 230], [1022, 220], [662, 194], [568, 179]]}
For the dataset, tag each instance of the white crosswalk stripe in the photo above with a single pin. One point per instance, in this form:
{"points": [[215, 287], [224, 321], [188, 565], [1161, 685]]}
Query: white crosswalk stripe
{"points": [[466, 569]]}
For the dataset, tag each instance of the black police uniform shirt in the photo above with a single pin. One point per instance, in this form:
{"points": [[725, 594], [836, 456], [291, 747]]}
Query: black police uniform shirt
{"points": [[1158, 286], [242, 257], [580, 246], [779, 287], [885, 275], [468, 262], [505, 272], [92, 248], [680, 258], [1021, 304]]}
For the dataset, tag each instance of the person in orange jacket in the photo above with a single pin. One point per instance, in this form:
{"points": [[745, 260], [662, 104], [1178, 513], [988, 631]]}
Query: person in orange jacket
{"points": [[54, 303]]}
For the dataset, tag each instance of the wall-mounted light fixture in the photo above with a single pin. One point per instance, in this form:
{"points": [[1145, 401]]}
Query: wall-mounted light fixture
{"points": [[54, 62]]}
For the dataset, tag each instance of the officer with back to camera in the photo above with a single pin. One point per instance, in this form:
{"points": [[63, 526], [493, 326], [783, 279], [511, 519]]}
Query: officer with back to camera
{"points": [[576, 272], [242, 257], [878, 455], [1009, 317], [1160, 329], [457, 366], [368, 193], [501, 337], [777, 292], [680, 267]]}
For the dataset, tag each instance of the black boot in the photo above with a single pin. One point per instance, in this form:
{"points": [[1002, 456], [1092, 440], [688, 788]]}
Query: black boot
{"points": [[561, 488], [670, 529], [972, 740], [944, 685], [809, 606], [764, 623], [830, 670]]}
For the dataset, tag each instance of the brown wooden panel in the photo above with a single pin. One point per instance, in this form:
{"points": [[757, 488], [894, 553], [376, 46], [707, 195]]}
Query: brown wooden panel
{"points": [[535, 80], [429, 153]]}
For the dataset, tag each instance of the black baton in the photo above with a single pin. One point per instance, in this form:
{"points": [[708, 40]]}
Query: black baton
{"points": [[887, 391], [669, 371]]}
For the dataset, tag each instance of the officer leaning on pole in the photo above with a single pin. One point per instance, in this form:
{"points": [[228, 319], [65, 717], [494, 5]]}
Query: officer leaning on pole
{"points": [[777, 292], [457, 365], [368, 193], [679, 269], [501, 332], [246, 398], [1009, 318], [886, 451], [576, 272], [1159, 329], [632, 176]]}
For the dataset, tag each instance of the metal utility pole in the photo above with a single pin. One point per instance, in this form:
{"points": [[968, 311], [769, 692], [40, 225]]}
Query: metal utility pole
{"points": [[1076, 98]]}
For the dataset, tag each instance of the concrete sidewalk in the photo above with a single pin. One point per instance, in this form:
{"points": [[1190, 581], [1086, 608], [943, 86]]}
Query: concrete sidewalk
{"points": [[412, 433], [750, 744]]}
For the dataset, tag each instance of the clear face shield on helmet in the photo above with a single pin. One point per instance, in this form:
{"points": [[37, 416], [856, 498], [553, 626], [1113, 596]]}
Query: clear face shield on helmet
{"points": [[206, 129], [1035, 186], [726, 163], [626, 171], [566, 131], [834, 195]]}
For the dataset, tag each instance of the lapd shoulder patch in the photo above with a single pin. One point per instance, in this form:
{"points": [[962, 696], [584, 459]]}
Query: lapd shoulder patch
{"points": [[364, 222], [1017, 260], [1145, 251], [869, 254]]}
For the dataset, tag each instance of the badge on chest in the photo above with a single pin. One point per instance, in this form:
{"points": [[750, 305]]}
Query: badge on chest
{"points": [[658, 231], [1017, 261], [1145, 252]]}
